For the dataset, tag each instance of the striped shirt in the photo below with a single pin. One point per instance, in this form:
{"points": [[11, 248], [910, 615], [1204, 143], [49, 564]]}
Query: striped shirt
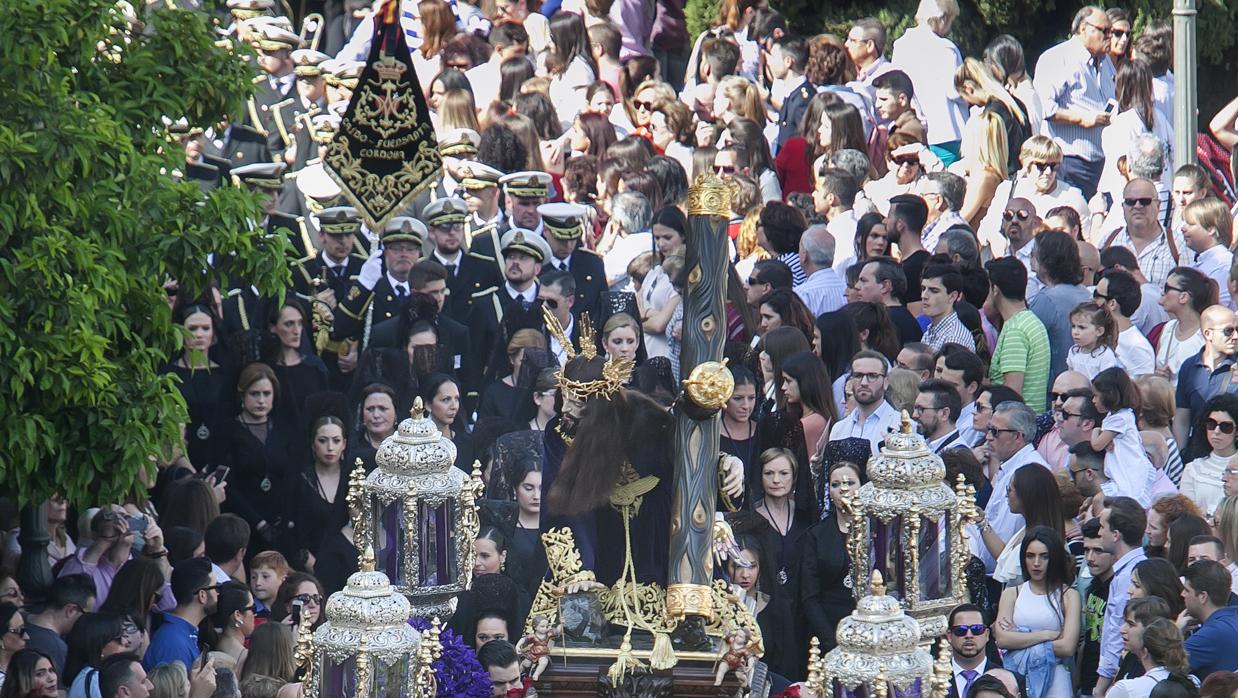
{"points": [[1023, 347], [948, 329], [792, 260], [1068, 77], [1155, 260]]}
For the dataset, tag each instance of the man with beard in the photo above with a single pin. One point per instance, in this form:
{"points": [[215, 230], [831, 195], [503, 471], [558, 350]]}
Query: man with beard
{"points": [[608, 446], [873, 417], [523, 253], [467, 273], [197, 595], [969, 638], [937, 408], [1019, 226]]}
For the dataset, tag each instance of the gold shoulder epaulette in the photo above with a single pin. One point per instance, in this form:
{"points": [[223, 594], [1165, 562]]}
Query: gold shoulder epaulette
{"points": [[485, 292]]}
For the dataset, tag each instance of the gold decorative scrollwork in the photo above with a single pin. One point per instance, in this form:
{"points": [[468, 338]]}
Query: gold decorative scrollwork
{"points": [[709, 196], [689, 599]]}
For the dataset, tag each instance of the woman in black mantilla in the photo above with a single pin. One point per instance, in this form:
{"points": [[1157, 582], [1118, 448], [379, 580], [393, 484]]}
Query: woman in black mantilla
{"points": [[259, 453], [375, 422], [825, 583], [318, 506], [300, 372], [205, 385]]}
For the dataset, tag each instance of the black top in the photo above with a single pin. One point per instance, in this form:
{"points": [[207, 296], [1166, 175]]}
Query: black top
{"points": [[905, 324], [782, 652], [466, 450], [782, 552], [337, 561], [498, 399], [526, 559], [208, 394], [825, 569], [1016, 131], [295, 384], [254, 462], [1094, 603], [747, 448], [310, 516]]}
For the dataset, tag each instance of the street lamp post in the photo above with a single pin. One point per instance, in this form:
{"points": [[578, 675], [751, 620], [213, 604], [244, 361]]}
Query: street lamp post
{"points": [[1185, 94]]}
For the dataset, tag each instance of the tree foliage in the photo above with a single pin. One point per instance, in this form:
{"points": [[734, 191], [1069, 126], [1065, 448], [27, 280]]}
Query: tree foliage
{"points": [[90, 228], [1038, 24]]}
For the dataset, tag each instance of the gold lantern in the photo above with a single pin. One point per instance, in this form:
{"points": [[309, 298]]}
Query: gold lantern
{"points": [[878, 647], [419, 513], [367, 648], [909, 527]]}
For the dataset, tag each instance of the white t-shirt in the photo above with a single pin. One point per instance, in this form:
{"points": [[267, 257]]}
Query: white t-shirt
{"points": [[1135, 352], [1127, 466], [1171, 351], [624, 251], [1091, 363]]}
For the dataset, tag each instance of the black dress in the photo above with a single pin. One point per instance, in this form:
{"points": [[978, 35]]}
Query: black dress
{"points": [[295, 384], [782, 652], [747, 448], [310, 516], [498, 399], [208, 394], [783, 551], [466, 450], [825, 572], [526, 559], [258, 484]]}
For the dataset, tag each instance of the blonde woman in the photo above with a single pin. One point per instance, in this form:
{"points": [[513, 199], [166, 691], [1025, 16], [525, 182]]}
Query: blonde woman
{"points": [[983, 164], [1225, 525], [1037, 181], [457, 111], [746, 246], [738, 96], [977, 86]]}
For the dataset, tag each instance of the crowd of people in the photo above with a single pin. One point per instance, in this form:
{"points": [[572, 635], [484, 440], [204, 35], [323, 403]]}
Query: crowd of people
{"points": [[1014, 257]]}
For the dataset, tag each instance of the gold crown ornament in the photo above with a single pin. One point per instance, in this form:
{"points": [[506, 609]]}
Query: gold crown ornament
{"points": [[615, 372], [709, 196]]}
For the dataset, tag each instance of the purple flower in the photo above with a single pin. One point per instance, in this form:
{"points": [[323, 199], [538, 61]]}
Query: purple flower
{"points": [[458, 671]]}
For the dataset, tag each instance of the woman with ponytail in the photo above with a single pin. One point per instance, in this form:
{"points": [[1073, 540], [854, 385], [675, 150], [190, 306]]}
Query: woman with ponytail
{"points": [[230, 626], [1162, 655]]}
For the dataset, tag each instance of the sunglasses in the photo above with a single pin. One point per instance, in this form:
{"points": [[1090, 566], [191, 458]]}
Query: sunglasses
{"points": [[1023, 214], [1067, 415], [308, 598], [550, 303], [1141, 201], [638, 104], [1169, 288], [995, 432], [907, 160], [1045, 166], [1227, 331], [210, 588], [1119, 33], [1058, 397], [965, 630], [1223, 427], [724, 169]]}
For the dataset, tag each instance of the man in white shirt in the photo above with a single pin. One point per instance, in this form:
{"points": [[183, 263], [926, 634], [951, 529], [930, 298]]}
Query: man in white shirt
{"points": [[873, 417], [834, 197], [930, 60], [823, 291], [627, 235], [1120, 294], [968, 636], [866, 42], [965, 372], [509, 40], [1075, 80], [1208, 234], [1009, 445]]}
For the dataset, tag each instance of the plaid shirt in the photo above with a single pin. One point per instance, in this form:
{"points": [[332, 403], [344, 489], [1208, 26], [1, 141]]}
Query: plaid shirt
{"points": [[949, 329], [1157, 259]]}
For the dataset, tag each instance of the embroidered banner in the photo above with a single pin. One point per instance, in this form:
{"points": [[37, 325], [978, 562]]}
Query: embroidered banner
{"points": [[385, 151]]}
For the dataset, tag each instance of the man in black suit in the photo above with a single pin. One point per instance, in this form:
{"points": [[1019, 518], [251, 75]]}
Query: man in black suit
{"points": [[268, 178], [523, 255], [382, 289], [275, 44], [326, 277], [486, 223], [429, 278], [969, 639], [564, 226], [468, 273]]}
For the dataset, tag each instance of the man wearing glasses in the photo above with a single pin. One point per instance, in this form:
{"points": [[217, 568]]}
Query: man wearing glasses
{"points": [[969, 640], [1156, 251], [873, 417], [197, 596], [1208, 373], [1009, 445], [1073, 416], [1075, 80]]}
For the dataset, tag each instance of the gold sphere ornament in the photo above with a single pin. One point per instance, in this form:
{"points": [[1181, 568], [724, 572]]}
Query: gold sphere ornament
{"points": [[710, 385]]}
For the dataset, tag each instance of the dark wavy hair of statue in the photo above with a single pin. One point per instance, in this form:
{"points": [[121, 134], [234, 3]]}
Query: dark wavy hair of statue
{"points": [[628, 426]]}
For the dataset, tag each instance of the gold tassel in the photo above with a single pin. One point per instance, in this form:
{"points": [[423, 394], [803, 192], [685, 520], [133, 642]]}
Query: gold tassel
{"points": [[663, 655], [625, 663]]}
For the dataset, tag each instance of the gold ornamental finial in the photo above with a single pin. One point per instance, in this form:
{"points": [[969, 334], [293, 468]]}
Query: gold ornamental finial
{"points": [[709, 195], [418, 410], [815, 681], [943, 673], [366, 563], [878, 585], [907, 426], [880, 688]]}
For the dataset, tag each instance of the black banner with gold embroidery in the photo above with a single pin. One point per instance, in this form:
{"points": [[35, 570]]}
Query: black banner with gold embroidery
{"points": [[385, 151]]}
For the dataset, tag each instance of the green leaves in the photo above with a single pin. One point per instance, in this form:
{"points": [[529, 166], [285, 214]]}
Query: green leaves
{"points": [[89, 230]]}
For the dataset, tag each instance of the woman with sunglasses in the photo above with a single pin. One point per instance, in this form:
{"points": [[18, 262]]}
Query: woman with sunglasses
{"points": [[1037, 181], [231, 625], [1041, 614], [95, 637], [299, 600], [1201, 479], [14, 639], [903, 172], [1119, 36]]}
